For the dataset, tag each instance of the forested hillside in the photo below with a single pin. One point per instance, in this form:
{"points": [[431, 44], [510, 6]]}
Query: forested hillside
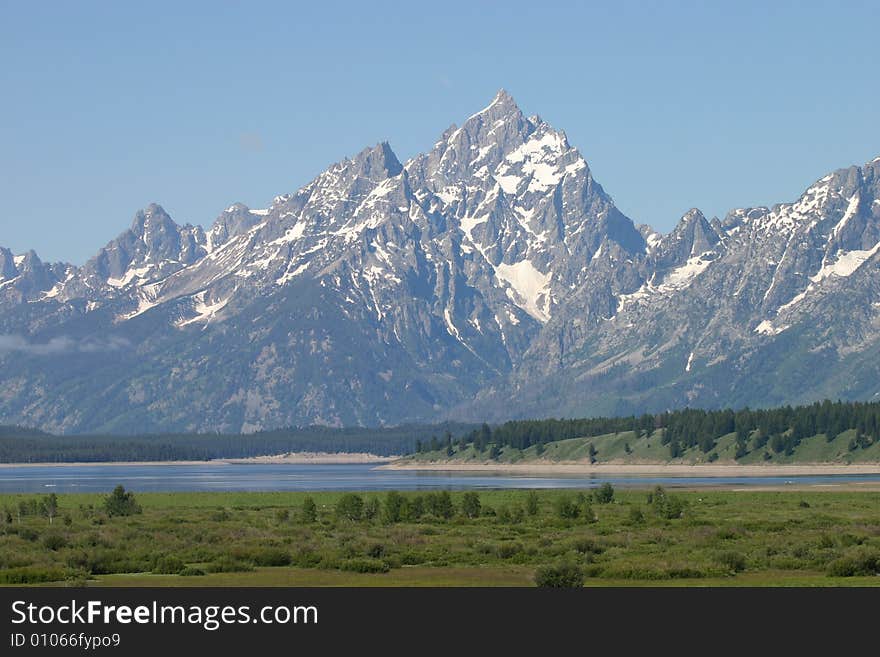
{"points": [[824, 431]]}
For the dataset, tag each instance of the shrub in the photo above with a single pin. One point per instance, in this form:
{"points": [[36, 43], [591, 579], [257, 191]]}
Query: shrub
{"points": [[605, 493], [190, 571], [270, 557], [350, 507], [589, 514], [412, 508], [508, 550], [586, 545], [371, 508], [168, 565], [668, 506], [364, 566], [32, 575], [856, 564], [560, 576], [440, 505], [636, 517], [732, 561], [54, 542], [376, 551], [470, 504], [393, 508], [532, 505], [103, 561], [306, 558], [121, 503], [25, 533], [309, 510], [566, 508]]}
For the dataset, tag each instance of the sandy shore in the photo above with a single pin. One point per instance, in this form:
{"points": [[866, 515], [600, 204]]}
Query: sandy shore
{"points": [[301, 458], [661, 469]]}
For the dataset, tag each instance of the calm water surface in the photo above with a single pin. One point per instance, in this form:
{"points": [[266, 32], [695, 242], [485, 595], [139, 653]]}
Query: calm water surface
{"points": [[292, 477]]}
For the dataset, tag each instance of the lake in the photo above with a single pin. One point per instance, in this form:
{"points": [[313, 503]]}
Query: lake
{"points": [[358, 476]]}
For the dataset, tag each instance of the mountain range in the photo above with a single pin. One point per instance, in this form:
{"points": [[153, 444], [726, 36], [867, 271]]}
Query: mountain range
{"points": [[489, 278]]}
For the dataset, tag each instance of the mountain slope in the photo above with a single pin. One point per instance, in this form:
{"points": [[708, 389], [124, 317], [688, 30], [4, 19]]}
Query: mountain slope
{"points": [[488, 277]]}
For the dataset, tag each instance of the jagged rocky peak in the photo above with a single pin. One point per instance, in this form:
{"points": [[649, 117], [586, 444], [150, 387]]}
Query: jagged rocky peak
{"points": [[378, 162], [30, 275], [157, 232], [693, 236], [151, 248], [233, 221], [153, 223], [7, 264], [483, 140], [499, 116], [343, 186], [371, 166]]}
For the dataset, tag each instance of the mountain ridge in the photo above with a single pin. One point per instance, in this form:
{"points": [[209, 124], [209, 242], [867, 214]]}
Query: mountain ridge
{"points": [[491, 272]]}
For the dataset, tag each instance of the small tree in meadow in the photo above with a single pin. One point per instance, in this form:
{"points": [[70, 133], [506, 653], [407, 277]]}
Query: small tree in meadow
{"points": [[567, 508], [350, 507], [560, 576], [121, 503], [50, 505], [309, 510], [470, 504], [532, 506], [605, 493], [393, 507], [371, 508]]}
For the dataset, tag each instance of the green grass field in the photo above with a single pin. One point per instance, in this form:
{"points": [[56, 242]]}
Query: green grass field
{"points": [[705, 538]]}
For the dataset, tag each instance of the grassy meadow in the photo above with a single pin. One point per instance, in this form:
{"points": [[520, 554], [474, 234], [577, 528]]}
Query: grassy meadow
{"points": [[488, 538]]}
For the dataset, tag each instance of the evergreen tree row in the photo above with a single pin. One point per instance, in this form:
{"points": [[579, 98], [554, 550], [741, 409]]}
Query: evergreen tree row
{"points": [[18, 445], [780, 429]]}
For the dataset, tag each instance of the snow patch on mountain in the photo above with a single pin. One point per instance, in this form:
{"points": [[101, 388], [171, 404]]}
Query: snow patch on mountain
{"points": [[682, 276], [131, 274], [205, 311], [529, 288], [846, 264], [766, 327], [851, 209]]}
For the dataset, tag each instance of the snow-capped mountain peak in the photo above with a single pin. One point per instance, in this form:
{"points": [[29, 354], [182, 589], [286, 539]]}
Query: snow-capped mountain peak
{"points": [[491, 275]]}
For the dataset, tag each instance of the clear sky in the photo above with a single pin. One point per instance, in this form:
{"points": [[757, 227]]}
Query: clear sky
{"points": [[106, 107]]}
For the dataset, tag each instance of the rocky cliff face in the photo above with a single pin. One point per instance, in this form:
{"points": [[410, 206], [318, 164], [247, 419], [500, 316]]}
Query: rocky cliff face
{"points": [[490, 277]]}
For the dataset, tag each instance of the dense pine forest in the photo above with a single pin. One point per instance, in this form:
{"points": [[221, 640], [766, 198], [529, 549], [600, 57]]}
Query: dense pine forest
{"points": [[20, 445]]}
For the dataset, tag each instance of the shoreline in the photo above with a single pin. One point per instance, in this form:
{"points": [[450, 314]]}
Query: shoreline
{"points": [[647, 469], [293, 458]]}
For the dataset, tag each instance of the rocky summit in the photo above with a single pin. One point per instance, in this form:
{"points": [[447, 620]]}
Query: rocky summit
{"points": [[489, 278]]}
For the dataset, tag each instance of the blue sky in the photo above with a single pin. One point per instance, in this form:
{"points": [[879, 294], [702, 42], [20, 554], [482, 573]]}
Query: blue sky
{"points": [[106, 107]]}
